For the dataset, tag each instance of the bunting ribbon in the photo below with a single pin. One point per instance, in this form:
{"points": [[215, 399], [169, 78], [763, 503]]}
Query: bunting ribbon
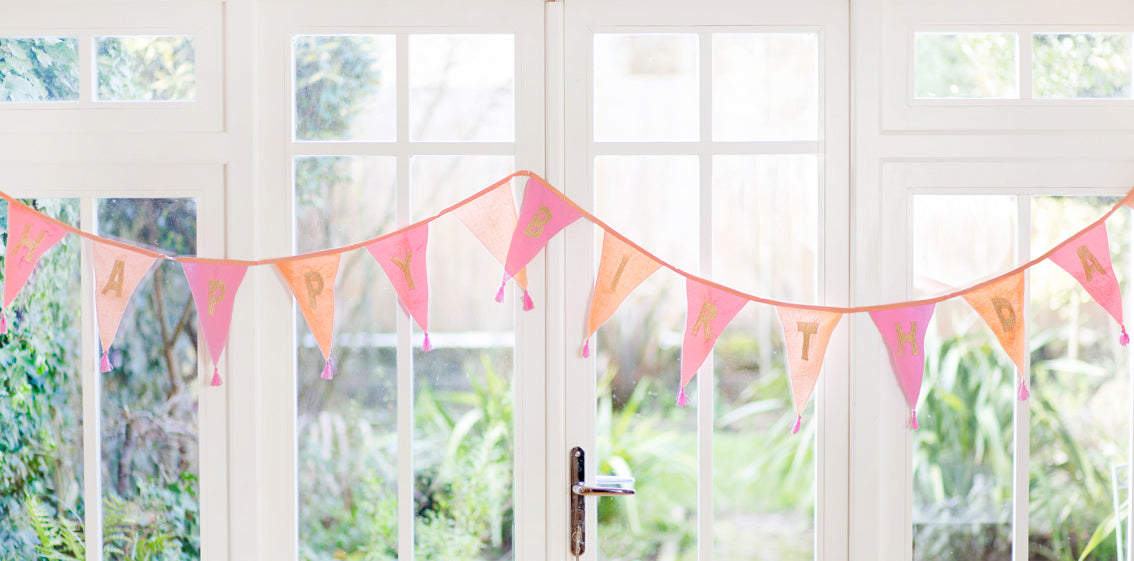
{"points": [[30, 235], [214, 287], [806, 334], [903, 330], [402, 257], [621, 269], [312, 281], [709, 311]]}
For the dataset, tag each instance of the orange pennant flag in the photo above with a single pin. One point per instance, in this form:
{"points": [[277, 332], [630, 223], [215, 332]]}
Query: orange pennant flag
{"points": [[492, 218], [117, 272], [999, 305], [806, 334], [312, 280], [621, 269]]}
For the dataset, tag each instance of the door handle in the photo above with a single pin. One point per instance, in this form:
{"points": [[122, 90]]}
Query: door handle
{"points": [[580, 492]]}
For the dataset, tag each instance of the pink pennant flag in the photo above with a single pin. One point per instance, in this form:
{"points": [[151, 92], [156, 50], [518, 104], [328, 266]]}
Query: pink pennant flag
{"points": [[903, 330], [542, 215], [709, 312], [492, 218], [806, 333], [214, 287], [402, 257], [30, 235], [312, 281], [117, 272], [1087, 258]]}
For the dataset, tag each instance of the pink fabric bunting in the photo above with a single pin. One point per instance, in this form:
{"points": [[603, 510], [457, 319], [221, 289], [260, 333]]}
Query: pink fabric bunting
{"points": [[542, 215], [214, 287], [30, 235], [709, 311], [806, 334], [117, 273], [402, 258], [1087, 258], [903, 330]]}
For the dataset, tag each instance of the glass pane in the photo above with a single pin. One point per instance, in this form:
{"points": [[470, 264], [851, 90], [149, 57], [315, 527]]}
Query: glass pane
{"points": [[345, 87], [646, 87], [39, 69], [41, 425], [640, 432], [146, 68], [1081, 65], [962, 460], [965, 65], [1081, 391], [347, 427], [765, 86], [464, 388], [462, 87], [149, 400]]}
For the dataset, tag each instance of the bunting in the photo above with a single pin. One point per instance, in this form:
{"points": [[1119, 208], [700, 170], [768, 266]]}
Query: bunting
{"points": [[1087, 257], [542, 215], [903, 330], [214, 287], [622, 267], [709, 311], [117, 272], [492, 218], [999, 304], [402, 257], [30, 235], [806, 334], [312, 281]]}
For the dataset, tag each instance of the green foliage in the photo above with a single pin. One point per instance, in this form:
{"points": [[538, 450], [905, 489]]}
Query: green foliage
{"points": [[147, 69], [57, 537], [965, 65], [41, 69], [1082, 65], [335, 78]]}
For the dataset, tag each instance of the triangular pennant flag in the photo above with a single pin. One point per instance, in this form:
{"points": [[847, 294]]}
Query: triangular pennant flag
{"points": [[492, 218], [621, 269], [903, 330], [709, 311], [312, 280], [806, 334], [117, 272], [214, 287], [402, 257], [1087, 258], [1000, 305], [542, 215], [30, 235]]}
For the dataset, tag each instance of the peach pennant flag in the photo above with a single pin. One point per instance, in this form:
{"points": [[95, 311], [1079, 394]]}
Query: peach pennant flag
{"points": [[621, 269], [117, 272], [30, 235], [214, 287], [709, 312], [1087, 258], [903, 330], [542, 215], [492, 218], [806, 334], [312, 281], [999, 304], [402, 257]]}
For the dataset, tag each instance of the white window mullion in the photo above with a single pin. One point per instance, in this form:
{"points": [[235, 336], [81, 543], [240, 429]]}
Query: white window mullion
{"points": [[405, 351], [1020, 427], [92, 415], [706, 378], [1024, 74]]}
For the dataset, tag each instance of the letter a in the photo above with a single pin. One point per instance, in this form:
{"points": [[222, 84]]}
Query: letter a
{"points": [[1089, 262], [117, 277]]}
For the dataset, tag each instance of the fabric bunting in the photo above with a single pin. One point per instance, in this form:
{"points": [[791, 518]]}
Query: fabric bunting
{"points": [[542, 215], [806, 334], [117, 272], [621, 269], [1087, 258], [709, 311], [312, 281], [30, 235], [903, 331], [214, 287], [999, 304], [492, 219], [402, 257]]}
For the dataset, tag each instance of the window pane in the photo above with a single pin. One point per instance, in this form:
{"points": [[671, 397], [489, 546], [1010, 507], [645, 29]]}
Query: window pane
{"points": [[1081, 64], [962, 460], [646, 87], [146, 68], [462, 87], [347, 427], [965, 65], [765, 86], [464, 388], [39, 69], [41, 428], [345, 87], [1081, 392], [149, 400]]}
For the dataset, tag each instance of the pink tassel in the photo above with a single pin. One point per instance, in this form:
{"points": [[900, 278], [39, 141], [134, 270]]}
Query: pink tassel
{"points": [[500, 293], [1023, 394], [104, 364], [426, 345], [329, 370], [795, 428], [913, 420], [1124, 339], [216, 378], [528, 304], [587, 348], [682, 399], [3, 323]]}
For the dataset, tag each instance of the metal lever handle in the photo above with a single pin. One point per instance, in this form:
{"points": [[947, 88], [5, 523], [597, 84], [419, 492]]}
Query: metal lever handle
{"points": [[584, 491]]}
